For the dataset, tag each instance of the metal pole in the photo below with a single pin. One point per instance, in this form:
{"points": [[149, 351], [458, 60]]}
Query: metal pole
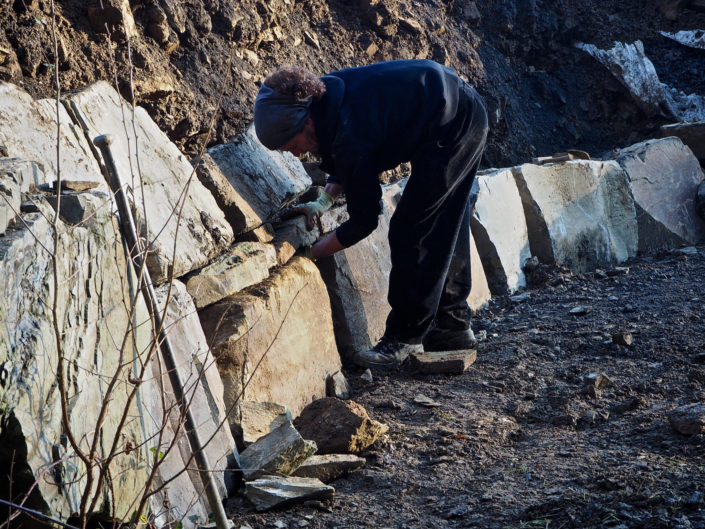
{"points": [[129, 231]]}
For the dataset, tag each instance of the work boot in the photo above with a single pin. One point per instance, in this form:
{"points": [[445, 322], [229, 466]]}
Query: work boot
{"points": [[438, 339], [387, 354]]}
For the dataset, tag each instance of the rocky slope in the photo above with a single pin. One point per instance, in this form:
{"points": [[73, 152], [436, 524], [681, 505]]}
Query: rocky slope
{"points": [[190, 60]]}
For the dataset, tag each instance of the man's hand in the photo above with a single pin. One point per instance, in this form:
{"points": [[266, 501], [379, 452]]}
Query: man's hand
{"points": [[312, 210]]}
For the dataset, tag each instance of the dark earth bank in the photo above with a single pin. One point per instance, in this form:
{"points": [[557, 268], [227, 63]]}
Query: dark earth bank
{"points": [[525, 439], [190, 59]]}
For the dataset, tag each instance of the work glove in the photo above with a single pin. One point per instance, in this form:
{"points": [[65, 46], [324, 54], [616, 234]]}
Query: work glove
{"points": [[312, 210]]}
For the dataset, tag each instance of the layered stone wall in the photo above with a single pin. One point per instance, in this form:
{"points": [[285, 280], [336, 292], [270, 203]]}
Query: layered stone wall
{"points": [[250, 320]]}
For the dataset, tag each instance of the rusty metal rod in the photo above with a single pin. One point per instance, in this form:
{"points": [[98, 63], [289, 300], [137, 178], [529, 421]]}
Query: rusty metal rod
{"points": [[129, 231]]}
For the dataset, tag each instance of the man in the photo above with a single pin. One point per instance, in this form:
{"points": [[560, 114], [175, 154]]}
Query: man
{"points": [[365, 120]]}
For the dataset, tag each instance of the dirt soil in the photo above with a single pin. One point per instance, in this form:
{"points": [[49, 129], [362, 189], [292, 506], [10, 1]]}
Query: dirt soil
{"points": [[196, 65], [520, 440]]}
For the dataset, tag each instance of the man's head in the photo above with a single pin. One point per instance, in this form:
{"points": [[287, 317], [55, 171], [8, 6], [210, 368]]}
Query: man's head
{"points": [[283, 110]]}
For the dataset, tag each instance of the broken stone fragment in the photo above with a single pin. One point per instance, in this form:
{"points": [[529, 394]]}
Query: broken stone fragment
{"points": [[261, 418], [337, 386], [631, 67], [692, 39], [622, 338], [269, 492], [338, 427], [329, 467], [597, 380], [444, 362], [689, 419], [245, 264], [291, 235], [426, 402], [279, 452]]}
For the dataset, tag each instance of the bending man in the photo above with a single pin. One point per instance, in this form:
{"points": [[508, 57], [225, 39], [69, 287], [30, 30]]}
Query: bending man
{"points": [[362, 121]]}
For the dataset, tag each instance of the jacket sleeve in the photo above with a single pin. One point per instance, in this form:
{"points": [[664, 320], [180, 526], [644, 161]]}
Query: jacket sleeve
{"points": [[363, 194]]}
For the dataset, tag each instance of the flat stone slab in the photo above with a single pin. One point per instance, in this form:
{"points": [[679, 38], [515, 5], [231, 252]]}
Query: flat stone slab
{"points": [[327, 468], [281, 451], [243, 265], [261, 182], [444, 362], [270, 333], [339, 427], [691, 38], [28, 130], [500, 234], [664, 177], [688, 420], [267, 493], [580, 214], [187, 228]]}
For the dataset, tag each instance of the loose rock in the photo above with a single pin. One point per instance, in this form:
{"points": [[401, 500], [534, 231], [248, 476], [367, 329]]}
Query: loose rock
{"points": [[271, 491], [281, 451], [338, 427], [447, 362], [337, 386], [689, 419], [329, 467]]}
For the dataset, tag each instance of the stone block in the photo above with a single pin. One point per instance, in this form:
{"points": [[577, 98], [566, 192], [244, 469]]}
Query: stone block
{"points": [[281, 451], [260, 418], [338, 427], [580, 214], [243, 265], [267, 493], [290, 235], [444, 362], [691, 134], [28, 130], [278, 330], [329, 467], [499, 230], [262, 182], [175, 213], [480, 293], [10, 200], [664, 177]]}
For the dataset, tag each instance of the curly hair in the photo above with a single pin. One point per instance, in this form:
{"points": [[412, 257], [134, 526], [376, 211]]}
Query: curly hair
{"points": [[296, 81]]}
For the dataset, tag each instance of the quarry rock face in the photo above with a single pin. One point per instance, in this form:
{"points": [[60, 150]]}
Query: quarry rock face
{"points": [[261, 181], [92, 319], [664, 176], [274, 342], [16, 177], [499, 230], [580, 214], [177, 215], [28, 130]]}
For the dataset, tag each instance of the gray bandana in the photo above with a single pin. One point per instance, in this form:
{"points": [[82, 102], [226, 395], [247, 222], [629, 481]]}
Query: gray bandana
{"points": [[279, 117]]}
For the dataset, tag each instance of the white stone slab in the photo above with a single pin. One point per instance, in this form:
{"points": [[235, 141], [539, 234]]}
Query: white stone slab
{"points": [[175, 212], [664, 176], [499, 231], [28, 130], [262, 181], [580, 214]]}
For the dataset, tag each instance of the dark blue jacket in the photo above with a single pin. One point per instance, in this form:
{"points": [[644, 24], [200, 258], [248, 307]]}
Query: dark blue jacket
{"points": [[373, 118]]}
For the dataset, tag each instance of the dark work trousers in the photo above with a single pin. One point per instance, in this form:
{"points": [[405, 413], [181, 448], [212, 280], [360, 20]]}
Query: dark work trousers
{"points": [[429, 233]]}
